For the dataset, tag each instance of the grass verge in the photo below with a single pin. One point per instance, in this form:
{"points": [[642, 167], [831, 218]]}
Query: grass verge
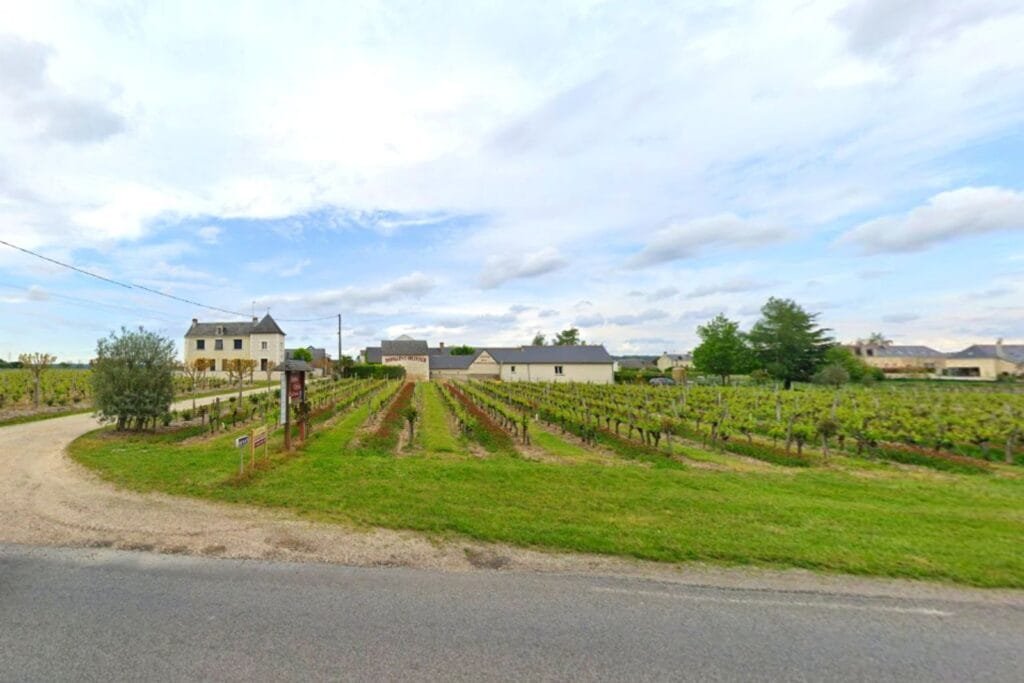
{"points": [[964, 529]]}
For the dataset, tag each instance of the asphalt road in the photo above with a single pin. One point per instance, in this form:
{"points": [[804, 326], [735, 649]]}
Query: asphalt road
{"points": [[105, 614]]}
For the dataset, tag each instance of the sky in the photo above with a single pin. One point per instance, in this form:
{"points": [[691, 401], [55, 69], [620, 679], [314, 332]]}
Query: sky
{"points": [[478, 172]]}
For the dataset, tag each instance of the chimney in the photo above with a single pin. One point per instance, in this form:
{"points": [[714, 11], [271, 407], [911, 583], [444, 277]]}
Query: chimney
{"points": [[195, 321], [999, 347], [440, 345], [255, 319]]}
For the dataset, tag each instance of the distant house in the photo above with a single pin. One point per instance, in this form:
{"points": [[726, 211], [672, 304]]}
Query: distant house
{"points": [[986, 361], [222, 342], [898, 360], [511, 364], [668, 361], [635, 362]]}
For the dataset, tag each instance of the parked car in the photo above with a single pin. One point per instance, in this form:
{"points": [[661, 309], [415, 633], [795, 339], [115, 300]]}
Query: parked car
{"points": [[662, 381]]}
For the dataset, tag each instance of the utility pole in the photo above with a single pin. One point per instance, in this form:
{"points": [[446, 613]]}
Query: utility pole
{"points": [[339, 342]]}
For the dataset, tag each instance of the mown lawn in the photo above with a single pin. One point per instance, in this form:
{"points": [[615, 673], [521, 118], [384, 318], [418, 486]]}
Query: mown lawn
{"points": [[947, 527]]}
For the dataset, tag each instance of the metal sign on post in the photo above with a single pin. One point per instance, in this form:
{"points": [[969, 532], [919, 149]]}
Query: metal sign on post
{"points": [[241, 442]]}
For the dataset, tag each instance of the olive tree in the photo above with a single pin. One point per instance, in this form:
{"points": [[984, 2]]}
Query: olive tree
{"points": [[133, 378]]}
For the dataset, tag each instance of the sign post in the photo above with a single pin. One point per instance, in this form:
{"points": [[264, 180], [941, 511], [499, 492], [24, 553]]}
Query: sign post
{"points": [[259, 438], [293, 387], [240, 443]]}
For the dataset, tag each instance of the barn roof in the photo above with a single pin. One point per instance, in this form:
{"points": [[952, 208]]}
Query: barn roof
{"points": [[403, 347], [551, 354], [1010, 352], [906, 352]]}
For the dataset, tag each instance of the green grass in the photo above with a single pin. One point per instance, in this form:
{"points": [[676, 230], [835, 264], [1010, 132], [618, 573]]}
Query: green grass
{"points": [[934, 526], [435, 434], [557, 446]]}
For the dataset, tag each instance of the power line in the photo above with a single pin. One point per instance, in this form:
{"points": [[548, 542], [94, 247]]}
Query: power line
{"points": [[126, 285]]}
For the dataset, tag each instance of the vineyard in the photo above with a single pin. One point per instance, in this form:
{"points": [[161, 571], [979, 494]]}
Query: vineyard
{"points": [[65, 389], [942, 428], [901, 481]]}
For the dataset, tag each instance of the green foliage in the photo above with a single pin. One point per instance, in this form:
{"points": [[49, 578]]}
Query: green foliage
{"points": [[375, 371], [132, 378], [857, 369], [787, 341], [302, 354], [569, 337], [723, 351], [833, 375], [462, 350], [538, 340]]}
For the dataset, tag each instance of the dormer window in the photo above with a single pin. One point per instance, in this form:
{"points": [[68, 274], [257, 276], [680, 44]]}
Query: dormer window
{"points": [[220, 331]]}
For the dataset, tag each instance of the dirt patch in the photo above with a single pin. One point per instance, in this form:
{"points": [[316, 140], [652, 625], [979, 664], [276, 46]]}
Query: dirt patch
{"points": [[291, 543], [487, 559]]}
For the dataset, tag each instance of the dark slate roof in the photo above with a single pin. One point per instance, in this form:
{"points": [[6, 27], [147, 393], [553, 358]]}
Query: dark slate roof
{"points": [[294, 365], [1011, 352], [449, 362], [636, 362], [904, 352], [403, 347], [235, 329], [267, 326], [372, 354], [551, 354]]}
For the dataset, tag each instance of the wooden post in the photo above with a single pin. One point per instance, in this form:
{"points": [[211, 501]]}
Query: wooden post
{"points": [[287, 412]]}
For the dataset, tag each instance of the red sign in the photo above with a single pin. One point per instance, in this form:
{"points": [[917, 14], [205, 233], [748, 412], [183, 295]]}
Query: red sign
{"points": [[296, 380]]}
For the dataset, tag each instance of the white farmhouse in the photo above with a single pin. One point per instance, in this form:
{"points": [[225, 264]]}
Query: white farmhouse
{"points": [[589, 363], [222, 342]]}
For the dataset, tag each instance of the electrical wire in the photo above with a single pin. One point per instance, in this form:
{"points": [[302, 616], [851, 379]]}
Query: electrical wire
{"points": [[129, 285], [126, 285]]}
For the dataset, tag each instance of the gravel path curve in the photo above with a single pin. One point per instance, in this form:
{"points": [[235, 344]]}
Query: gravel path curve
{"points": [[48, 499]]}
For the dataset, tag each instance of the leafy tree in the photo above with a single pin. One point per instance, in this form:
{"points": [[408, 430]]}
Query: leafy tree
{"points": [[462, 350], [538, 340], [833, 375], [37, 363], [133, 378], [569, 337], [302, 354], [722, 351], [857, 369], [877, 339], [787, 341]]}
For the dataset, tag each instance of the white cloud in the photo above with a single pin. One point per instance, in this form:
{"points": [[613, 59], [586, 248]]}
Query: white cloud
{"points": [[498, 270], [209, 234], [731, 286], [414, 285], [681, 240], [948, 215]]}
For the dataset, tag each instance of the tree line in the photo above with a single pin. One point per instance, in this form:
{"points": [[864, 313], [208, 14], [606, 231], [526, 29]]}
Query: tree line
{"points": [[785, 344]]}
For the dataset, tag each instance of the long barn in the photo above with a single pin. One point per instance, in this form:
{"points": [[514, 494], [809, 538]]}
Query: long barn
{"points": [[589, 363]]}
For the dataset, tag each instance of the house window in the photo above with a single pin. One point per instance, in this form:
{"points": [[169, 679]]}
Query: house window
{"points": [[238, 345], [513, 369], [218, 344], [263, 363], [264, 346], [200, 344], [558, 369], [220, 330]]}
